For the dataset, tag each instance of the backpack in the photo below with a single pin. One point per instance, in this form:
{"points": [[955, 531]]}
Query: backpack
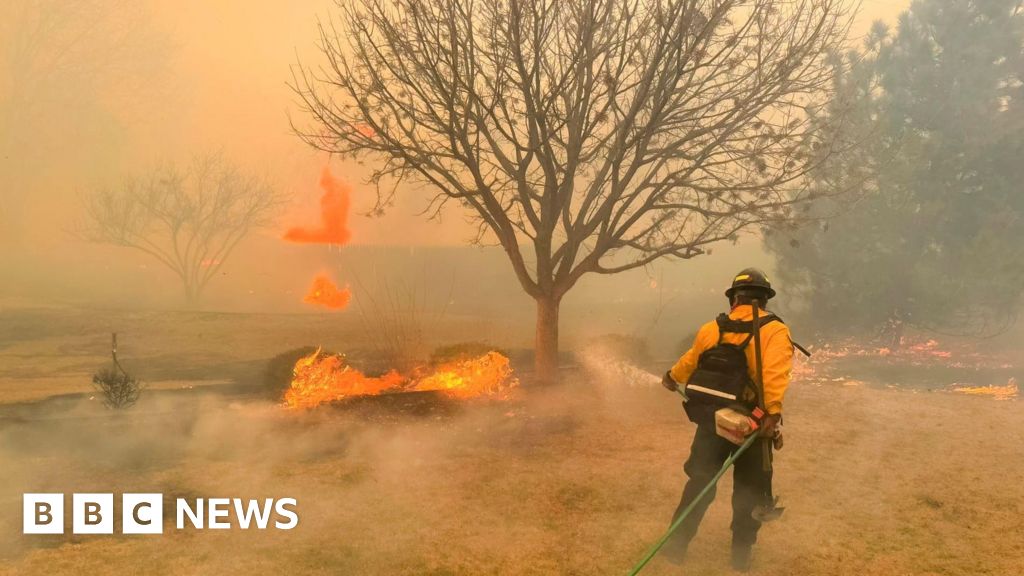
{"points": [[722, 378]]}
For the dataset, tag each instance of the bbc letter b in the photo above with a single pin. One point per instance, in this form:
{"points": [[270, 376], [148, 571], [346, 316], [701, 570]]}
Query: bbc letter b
{"points": [[93, 513], [43, 514]]}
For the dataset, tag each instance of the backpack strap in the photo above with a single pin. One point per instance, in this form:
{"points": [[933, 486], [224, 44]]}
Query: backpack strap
{"points": [[721, 320], [726, 324]]}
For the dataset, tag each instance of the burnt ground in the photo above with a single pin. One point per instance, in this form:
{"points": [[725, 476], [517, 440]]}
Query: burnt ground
{"points": [[574, 479]]}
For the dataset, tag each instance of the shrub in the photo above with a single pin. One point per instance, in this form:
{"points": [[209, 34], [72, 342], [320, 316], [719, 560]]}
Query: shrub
{"points": [[119, 390]]}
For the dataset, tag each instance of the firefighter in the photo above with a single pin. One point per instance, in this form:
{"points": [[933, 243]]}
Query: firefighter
{"points": [[720, 370]]}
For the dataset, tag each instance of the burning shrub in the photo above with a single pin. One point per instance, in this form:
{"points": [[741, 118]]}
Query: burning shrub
{"points": [[487, 375], [321, 377]]}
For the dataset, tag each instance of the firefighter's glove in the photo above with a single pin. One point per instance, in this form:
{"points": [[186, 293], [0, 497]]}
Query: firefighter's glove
{"points": [[770, 426], [668, 382]]}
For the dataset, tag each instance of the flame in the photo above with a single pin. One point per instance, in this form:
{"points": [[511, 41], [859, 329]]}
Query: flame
{"points": [[822, 368], [334, 208], [998, 392], [487, 375], [324, 292], [320, 378]]}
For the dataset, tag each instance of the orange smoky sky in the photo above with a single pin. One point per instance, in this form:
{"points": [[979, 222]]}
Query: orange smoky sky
{"points": [[324, 292], [334, 208]]}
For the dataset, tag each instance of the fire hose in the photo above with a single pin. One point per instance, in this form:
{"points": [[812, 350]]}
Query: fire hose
{"points": [[703, 493]]}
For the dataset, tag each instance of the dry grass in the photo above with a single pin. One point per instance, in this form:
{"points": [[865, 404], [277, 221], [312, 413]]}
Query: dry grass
{"points": [[574, 480], [50, 351], [567, 484]]}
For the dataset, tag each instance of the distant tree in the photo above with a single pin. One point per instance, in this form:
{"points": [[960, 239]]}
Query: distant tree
{"points": [[934, 238], [189, 220], [588, 136]]}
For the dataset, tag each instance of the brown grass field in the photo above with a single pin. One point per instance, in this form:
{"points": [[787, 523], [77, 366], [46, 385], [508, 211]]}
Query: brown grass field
{"points": [[577, 479]]}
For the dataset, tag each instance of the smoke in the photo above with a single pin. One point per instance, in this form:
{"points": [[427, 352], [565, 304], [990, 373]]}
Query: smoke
{"points": [[187, 444], [577, 478], [376, 465]]}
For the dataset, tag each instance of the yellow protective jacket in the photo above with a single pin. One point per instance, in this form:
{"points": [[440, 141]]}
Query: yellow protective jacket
{"points": [[776, 355]]}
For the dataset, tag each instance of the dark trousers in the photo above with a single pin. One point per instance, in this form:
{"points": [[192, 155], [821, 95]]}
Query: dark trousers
{"points": [[751, 486]]}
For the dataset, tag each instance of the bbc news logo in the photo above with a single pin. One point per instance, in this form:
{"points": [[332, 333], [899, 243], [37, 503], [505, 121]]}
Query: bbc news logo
{"points": [[144, 513]]}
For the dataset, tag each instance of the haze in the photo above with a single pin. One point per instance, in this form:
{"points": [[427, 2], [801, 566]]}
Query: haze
{"points": [[104, 90]]}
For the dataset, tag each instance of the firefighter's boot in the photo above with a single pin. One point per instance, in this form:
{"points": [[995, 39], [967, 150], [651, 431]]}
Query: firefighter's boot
{"points": [[741, 556]]}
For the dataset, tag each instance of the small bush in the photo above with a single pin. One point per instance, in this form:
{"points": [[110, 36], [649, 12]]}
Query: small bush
{"points": [[119, 390]]}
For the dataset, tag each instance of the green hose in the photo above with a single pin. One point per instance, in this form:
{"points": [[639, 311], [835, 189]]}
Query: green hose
{"points": [[725, 466]]}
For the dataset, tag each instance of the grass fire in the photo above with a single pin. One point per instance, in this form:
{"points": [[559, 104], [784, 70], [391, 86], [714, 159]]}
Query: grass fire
{"points": [[320, 378]]}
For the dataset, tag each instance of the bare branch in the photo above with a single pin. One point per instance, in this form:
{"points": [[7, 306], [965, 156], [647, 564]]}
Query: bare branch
{"points": [[190, 221], [598, 135]]}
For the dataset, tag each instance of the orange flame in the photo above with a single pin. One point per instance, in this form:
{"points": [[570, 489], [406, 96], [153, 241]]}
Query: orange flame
{"points": [[325, 378], [324, 292], [320, 378], [998, 392], [487, 375], [334, 208]]}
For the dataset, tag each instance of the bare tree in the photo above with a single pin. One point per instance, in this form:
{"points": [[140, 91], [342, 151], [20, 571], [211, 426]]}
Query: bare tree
{"points": [[584, 136], [190, 221]]}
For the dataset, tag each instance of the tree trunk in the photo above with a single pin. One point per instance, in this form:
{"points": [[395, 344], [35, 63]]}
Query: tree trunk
{"points": [[546, 342]]}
